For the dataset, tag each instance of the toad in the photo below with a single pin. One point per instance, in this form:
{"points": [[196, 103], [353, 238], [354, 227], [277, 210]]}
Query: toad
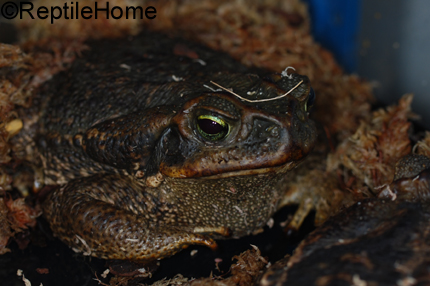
{"points": [[156, 143]]}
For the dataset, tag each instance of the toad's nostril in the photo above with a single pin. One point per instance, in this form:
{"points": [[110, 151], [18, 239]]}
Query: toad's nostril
{"points": [[274, 132]]}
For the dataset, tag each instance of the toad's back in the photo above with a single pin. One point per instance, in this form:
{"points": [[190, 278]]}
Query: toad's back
{"points": [[118, 77]]}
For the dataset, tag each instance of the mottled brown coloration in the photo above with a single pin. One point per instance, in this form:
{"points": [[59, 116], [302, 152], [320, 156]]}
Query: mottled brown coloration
{"points": [[244, 272], [5, 230], [313, 188], [377, 241], [120, 131], [14, 90], [369, 156], [411, 180], [423, 146]]}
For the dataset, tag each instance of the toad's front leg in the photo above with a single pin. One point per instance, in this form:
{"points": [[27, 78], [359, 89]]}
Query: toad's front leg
{"points": [[112, 217]]}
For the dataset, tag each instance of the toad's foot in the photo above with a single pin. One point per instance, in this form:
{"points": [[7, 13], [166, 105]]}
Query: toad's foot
{"points": [[317, 190], [113, 217]]}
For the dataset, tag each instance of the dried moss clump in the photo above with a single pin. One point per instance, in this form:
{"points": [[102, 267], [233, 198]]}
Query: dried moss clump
{"points": [[367, 159]]}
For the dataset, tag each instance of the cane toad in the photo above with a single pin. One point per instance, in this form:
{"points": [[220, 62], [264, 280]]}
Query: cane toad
{"points": [[152, 149]]}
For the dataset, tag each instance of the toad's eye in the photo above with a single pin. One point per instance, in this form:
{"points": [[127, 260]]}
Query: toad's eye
{"points": [[212, 128]]}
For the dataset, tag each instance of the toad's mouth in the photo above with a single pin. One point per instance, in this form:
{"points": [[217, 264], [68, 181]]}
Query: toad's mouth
{"points": [[279, 169], [214, 164], [257, 171]]}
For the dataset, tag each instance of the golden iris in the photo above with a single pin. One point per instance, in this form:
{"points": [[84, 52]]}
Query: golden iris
{"points": [[212, 128]]}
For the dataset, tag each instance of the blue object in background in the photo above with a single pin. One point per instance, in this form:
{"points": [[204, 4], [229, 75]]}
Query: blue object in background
{"points": [[386, 42], [335, 25]]}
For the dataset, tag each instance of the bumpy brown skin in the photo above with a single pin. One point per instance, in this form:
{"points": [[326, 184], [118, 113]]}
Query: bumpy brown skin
{"points": [[383, 241], [118, 131]]}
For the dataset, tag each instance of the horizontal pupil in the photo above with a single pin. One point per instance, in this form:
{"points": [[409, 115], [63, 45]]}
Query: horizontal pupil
{"points": [[210, 127]]}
